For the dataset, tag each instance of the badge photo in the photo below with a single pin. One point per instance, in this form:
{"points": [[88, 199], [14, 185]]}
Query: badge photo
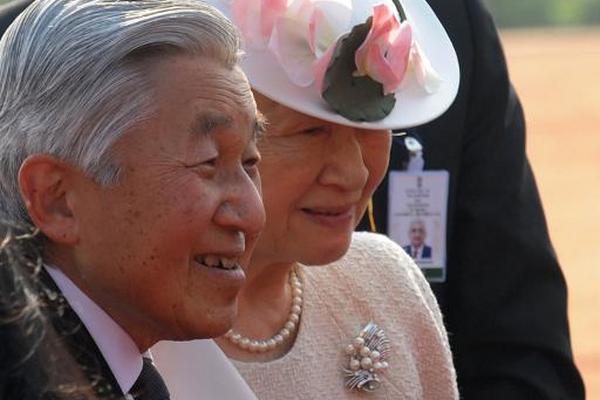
{"points": [[417, 218]]}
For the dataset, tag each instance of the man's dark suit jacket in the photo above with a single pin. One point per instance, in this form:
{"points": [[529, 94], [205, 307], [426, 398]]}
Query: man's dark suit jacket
{"points": [[504, 300], [45, 355], [425, 252]]}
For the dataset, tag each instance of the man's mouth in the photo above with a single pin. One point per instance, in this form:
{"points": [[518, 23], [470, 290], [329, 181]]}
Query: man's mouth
{"points": [[219, 262]]}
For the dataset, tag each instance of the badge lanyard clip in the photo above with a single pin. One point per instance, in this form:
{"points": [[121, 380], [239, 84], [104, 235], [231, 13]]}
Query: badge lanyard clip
{"points": [[415, 154]]}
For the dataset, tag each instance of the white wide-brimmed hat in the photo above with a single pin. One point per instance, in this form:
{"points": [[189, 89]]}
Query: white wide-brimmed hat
{"points": [[372, 64]]}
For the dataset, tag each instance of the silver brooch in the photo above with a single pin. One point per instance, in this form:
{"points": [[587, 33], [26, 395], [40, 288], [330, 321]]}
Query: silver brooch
{"points": [[368, 354]]}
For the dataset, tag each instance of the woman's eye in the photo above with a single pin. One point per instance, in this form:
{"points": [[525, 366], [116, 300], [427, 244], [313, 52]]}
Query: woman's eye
{"points": [[251, 165], [315, 130]]}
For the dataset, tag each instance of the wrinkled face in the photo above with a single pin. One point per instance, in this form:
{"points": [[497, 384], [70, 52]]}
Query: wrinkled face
{"points": [[317, 180], [163, 247], [417, 233]]}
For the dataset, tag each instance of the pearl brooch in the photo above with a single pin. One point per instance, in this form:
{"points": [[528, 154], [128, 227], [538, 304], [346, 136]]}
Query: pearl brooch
{"points": [[290, 326], [367, 354]]}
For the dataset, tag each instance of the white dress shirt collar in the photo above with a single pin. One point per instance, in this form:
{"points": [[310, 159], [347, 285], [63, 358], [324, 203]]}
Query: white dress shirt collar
{"points": [[198, 369], [117, 347]]}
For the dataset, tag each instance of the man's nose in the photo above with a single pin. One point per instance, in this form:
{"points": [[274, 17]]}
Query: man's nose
{"points": [[345, 166], [242, 209]]}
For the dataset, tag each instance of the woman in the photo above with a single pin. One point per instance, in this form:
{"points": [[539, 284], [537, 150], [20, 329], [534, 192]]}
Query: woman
{"points": [[327, 313]]}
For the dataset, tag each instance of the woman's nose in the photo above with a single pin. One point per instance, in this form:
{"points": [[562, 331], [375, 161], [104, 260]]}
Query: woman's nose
{"points": [[344, 164]]}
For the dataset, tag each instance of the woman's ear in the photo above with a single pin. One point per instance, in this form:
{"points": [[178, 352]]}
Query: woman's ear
{"points": [[46, 184]]}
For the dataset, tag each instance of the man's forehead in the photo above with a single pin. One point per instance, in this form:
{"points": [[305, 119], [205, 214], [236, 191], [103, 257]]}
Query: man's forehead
{"points": [[209, 121], [204, 79]]}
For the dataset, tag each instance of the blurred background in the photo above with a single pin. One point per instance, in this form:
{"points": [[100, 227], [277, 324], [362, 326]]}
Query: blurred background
{"points": [[541, 13], [553, 53]]}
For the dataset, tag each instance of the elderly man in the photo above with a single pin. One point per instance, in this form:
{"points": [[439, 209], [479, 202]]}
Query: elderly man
{"points": [[127, 137]]}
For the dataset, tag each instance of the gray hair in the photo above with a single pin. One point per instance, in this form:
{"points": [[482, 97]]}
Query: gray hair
{"points": [[73, 78]]}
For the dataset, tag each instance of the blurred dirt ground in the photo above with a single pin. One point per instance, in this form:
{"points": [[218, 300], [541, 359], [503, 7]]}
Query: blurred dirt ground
{"points": [[557, 75]]}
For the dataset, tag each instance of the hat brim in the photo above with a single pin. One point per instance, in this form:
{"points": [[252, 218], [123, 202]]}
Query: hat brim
{"points": [[414, 106]]}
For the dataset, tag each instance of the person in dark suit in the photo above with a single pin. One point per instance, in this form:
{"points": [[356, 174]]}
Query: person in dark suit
{"points": [[417, 233], [504, 299], [128, 141]]}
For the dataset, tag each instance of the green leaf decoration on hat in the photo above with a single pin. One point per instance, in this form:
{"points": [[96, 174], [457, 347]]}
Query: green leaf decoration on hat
{"points": [[358, 98]]}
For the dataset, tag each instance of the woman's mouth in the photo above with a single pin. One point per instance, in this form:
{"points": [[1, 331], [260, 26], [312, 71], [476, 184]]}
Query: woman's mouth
{"points": [[331, 217]]}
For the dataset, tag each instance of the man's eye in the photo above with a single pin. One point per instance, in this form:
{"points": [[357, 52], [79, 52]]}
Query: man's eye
{"points": [[206, 165]]}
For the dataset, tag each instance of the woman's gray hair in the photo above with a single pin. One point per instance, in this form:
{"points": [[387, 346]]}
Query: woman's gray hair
{"points": [[73, 78]]}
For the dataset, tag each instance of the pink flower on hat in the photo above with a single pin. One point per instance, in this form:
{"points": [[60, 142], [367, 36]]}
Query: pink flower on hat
{"points": [[305, 34], [299, 33], [384, 54], [255, 18], [302, 35], [426, 76]]}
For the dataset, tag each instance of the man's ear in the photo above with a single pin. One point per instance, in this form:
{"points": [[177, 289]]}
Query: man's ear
{"points": [[45, 183]]}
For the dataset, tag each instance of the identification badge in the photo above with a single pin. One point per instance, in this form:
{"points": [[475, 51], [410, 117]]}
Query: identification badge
{"points": [[417, 207]]}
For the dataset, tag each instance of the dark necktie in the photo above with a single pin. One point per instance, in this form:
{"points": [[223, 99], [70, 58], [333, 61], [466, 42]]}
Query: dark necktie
{"points": [[149, 385]]}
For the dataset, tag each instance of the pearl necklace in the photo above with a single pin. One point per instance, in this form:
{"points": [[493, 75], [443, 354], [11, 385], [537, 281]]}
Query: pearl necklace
{"points": [[277, 340]]}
